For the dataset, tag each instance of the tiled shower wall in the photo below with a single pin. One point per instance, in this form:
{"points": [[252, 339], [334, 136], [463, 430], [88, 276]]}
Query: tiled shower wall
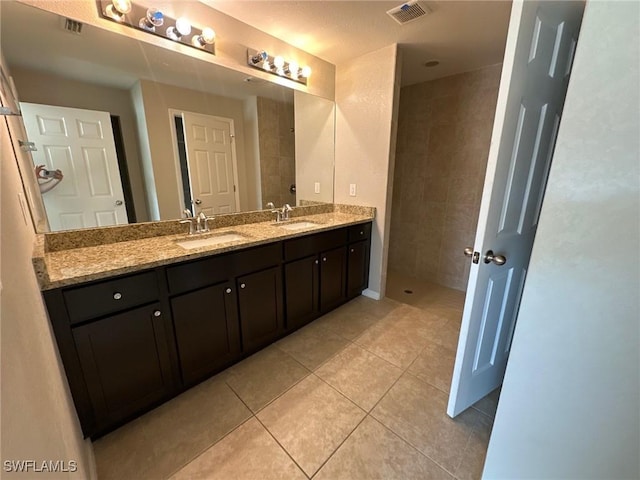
{"points": [[444, 132], [277, 151]]}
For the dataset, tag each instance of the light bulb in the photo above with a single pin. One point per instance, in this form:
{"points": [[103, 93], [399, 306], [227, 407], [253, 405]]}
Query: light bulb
{"points": [[118, 9], [293, 70], [123, 6], [182, 27], [207, 37], [154, 18], [266, 65], [278, 62], [306, 72]]}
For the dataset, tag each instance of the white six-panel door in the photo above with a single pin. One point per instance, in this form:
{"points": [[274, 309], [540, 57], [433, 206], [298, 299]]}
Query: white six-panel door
{"points": [[80, 143], [540, 45], [212, 163]]}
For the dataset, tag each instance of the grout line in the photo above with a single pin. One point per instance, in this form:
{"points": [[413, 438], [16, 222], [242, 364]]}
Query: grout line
{"points": [[282, 447]]}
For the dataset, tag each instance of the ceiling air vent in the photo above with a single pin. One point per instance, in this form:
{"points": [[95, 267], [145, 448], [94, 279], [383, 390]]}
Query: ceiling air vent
{"points": [[408, 12], [72, 26]]}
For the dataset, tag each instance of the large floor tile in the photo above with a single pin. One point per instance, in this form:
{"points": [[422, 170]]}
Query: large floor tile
{"points": [[446, 334], [310, 421], [489, 404], [473, 457], [312, 345], [374, 452], [247, 453], [264, 376], [165, 439], [400, 336], [416, 411], [348, 323], [359, 375], [366, 305], [434, 365]]}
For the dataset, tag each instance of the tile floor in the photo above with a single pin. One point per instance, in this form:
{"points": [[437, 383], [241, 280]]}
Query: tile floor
{"points": [[359, 393]]}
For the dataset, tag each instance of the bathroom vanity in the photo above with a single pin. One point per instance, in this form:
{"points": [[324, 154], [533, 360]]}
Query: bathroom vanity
{"points": [[130, 341]]}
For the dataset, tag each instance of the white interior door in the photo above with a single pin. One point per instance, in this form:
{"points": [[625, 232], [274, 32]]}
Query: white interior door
{"points": [[540, 45], [212, 163], [80, 143]]}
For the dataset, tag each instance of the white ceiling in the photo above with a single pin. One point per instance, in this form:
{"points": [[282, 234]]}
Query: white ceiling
{"points": [[462, 35]]}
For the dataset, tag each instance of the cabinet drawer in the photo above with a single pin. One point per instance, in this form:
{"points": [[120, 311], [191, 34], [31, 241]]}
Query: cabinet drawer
{"points": [[200, 273], [312, 244], [359, 232], [95, 300], [254, 259]]}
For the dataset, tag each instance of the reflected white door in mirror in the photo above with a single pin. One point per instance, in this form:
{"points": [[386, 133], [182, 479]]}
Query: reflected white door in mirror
{"points": [[79, 143], [212, 164]]}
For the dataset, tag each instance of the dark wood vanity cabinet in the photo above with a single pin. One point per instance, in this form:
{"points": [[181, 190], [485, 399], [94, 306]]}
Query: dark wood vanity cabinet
{"points": [[206, 330], [115, 341], [224, 307], [358, 252], [260, 307], [132, 341], [322, 271]]}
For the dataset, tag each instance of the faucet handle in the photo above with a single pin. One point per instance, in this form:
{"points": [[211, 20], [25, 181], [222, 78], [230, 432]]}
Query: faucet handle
{"points": [[271, 205], [205, 221], [187, 213], [189, 220]]}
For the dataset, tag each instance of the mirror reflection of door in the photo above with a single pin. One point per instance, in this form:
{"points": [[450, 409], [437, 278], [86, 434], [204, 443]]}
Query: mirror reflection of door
{"points": [[211, 164], [81, 144]]}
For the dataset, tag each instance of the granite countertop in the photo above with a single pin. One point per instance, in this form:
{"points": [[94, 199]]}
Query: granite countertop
{"points": [[77, 265]]}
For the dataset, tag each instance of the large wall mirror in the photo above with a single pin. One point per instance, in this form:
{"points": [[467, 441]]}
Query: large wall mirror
{"points": [[141, 133]]}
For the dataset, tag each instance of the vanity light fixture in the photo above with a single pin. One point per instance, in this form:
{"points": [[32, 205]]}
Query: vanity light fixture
{"points": [[153, 18], [278, 66], [182, 28], [117, 9], [126, 12]]}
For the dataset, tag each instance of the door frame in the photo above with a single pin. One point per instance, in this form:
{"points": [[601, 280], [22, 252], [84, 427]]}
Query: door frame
{"points": [[175, 112]]}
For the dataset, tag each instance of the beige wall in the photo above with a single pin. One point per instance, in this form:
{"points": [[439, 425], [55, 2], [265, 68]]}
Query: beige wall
{"points": [[367, 92], [47, 89], [444, 132], [157, 99], [276, 139], [570, 402], [315, 147], [38, 419]]}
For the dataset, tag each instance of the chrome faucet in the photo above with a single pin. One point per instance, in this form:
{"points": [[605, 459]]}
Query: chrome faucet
{"points": [[199, 224], [284, 215], [203, 222]]}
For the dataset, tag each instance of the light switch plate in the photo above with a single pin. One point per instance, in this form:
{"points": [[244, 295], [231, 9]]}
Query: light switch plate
{"points": [[352, 189], [316, 187]]}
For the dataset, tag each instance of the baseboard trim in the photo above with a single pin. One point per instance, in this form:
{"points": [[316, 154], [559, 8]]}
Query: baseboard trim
{"points": [[371, 294]]}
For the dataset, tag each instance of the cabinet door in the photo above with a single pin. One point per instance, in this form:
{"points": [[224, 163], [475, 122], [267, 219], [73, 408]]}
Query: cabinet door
{"points": [[333, 272], [260, 308], [207, 330], [125, 361], [301, 291], [357, 268]]}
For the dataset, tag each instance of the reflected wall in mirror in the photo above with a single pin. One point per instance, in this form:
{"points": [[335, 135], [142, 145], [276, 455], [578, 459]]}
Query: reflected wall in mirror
{"points": [[142, 133]]}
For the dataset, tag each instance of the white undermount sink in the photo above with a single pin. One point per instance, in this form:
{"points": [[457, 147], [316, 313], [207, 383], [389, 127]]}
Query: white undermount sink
{"points": [[210, 241], [297, 225]]}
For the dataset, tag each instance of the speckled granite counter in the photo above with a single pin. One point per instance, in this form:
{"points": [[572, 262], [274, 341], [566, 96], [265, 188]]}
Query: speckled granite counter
{"points": [[58, 267]]}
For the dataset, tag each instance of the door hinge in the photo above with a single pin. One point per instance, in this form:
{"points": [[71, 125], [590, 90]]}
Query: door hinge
{"points": [[234, 188]]}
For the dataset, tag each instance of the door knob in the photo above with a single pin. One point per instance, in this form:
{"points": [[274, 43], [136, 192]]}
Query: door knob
{"points": [[497, 259], [198, 201], [118, 203], [468, 252]]}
